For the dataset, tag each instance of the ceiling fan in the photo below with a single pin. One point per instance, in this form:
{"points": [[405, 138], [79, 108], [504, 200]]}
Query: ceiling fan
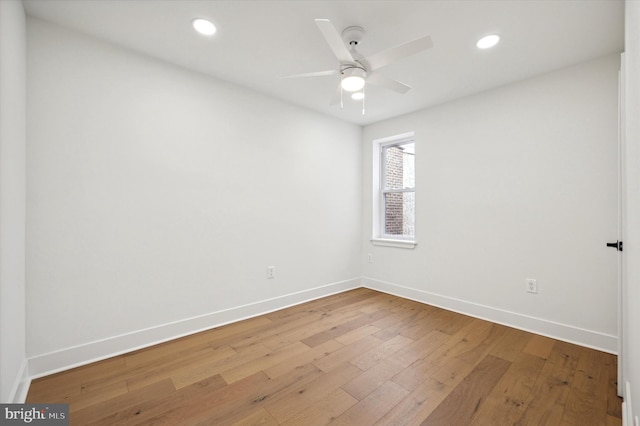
{"points": [[355, 70]]}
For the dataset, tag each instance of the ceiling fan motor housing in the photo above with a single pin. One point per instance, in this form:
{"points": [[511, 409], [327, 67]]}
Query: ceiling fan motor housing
{"points": [[352, 35]]}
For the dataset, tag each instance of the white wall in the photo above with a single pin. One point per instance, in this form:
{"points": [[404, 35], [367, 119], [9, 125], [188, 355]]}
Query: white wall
{"points": [[631, 307], [514, 183], [157, 195], [12, 198]]}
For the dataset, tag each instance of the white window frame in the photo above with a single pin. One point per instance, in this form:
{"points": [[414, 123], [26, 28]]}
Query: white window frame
{"points": [[378, 215]]}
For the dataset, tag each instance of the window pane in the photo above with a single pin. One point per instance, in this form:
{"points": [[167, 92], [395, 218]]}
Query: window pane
{"points": [[400, 214], [399, 166]]}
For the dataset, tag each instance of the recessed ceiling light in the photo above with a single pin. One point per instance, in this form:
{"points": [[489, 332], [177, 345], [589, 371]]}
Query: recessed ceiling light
{"points": [[357, 96], [488, 41], [204, 27]]}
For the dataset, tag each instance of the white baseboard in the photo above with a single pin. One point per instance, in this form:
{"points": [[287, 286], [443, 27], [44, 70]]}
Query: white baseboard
{"points": [[627, 409], [53, 362], [592, 339], [21, 386]]}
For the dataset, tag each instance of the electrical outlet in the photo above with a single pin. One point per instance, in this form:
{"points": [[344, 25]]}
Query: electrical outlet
{"points": [[271, 272], [370, 258], [532, 286]]}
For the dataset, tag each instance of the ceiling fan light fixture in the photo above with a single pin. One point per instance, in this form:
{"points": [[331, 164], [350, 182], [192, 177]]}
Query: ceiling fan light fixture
{"points": [[353, 79], [488, 41], [353, 83], [204, 26], [357, 96]]}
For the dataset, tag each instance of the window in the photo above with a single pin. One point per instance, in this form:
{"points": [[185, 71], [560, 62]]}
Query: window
{"points": [[395, 197]]}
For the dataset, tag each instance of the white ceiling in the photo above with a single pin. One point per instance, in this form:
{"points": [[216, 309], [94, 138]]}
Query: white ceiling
{"points": [[259, 41]]}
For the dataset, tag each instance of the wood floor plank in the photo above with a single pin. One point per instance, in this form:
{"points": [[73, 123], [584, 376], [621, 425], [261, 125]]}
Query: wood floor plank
{"points": [[464, 401], [141, 377], [583, 408], [381, 352], [259, 417], [373, 378], [428, 361], [546, 403], [347, 353], [93, 384], [468, 336], [62, 387], [155, 413], [227, 404], [453, 372], [412, 326], [349, 300], [614, 421], [58, 389], [506, 401], [325, 322], [377, 302], [269, 360], [540, 346], [314, 306], [195, 372], [310, 393], [447, 322], [380, 301], [272, 335], [91, 396], [221, 336], [511, 344], [103, 413], [587, 400], [360, 358], [418, 405], [168, 350], [454, 321], [307, 357], [267, 391], [589, 379], [415, 325], [358, 333], [187, 373], [473, 348], [196, 401], [344, 327], [422, 348], [465, 339], [372, 408], [402, 314], [324, 411]]}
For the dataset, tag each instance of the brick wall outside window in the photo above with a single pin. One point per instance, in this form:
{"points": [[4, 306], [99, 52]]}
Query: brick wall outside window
{"points": [[399, 207], [394, 208]]}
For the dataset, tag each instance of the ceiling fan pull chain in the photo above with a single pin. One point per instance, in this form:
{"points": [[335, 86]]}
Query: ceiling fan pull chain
{"points": [[364, 96]]}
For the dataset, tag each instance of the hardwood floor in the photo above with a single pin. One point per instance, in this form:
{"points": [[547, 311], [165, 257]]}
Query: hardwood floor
{"points": [[356, 358]]}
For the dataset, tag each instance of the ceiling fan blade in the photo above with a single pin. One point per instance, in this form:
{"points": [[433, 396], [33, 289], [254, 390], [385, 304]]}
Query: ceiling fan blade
{"points": [[313, 74], [388, 83], [334, 40], [381, 59]]}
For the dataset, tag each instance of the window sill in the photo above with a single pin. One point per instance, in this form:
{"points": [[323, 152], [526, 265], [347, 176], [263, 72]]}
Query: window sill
{"points": [[407, 244]]}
